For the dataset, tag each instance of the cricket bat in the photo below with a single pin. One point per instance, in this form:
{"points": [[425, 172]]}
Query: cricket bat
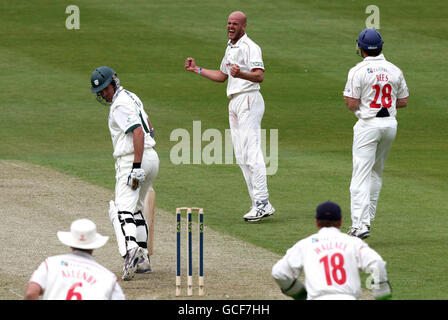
{"points": [[149, 212]]}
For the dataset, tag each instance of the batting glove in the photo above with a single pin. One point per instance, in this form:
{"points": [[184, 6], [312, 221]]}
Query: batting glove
{"points": [[136, 177]]}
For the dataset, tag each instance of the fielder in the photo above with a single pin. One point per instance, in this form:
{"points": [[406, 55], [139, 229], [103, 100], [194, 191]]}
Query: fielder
{"points": [[330, 260], [243, 67], [375, 89], [136, 165], [76, 275]]}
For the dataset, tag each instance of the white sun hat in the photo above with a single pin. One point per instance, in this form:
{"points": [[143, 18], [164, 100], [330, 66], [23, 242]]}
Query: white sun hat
{"points": [[82, 235]]}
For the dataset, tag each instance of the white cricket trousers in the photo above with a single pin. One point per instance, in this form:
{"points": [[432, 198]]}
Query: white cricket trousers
{"points": [[372, 140], [246, 111], [130, 202]]}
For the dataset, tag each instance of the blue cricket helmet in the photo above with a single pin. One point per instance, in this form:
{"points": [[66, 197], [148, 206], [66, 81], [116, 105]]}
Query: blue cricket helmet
{"points": [[370, 39]]}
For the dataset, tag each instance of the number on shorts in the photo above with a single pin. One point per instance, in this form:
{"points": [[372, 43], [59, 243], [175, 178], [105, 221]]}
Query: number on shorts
{"points": [[386, 98], [71, 294], [337, 273]]}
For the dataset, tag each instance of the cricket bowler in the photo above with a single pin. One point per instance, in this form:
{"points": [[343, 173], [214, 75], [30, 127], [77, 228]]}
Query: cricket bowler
{"points": [[243, 68]]}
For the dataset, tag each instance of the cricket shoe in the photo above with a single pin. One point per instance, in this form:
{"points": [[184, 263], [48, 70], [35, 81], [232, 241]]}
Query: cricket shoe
{"points": [[262, 210], [362, 233], [130, 263], [144, 265]]}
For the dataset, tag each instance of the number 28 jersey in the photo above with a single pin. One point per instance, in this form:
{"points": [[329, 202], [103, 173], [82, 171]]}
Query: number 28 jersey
{"points": [[76, 276], [331, 261], [378, 83]]}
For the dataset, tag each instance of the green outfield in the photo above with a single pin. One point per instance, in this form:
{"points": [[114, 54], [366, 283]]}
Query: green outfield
{"points": [[49, 117]]}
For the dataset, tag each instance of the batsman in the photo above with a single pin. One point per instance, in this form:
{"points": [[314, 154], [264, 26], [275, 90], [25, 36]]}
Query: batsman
{"points": [[136, 166]]}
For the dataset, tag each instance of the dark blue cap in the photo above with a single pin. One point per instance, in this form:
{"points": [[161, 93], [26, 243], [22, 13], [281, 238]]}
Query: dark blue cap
{"points": [[328, 211]]}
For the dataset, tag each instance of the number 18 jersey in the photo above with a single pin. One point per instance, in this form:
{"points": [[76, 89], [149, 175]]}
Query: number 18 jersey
{"points": [[331, 261], [378, 83]]}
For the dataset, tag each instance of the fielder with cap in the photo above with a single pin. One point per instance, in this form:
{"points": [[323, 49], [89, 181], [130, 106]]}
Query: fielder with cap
{"points": [[136, 166], [375, 89], [76, 275], [330, 261]]}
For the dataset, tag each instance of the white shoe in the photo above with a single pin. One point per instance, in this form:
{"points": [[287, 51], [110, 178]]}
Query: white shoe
{"points": [[362, 233], [262, 210], [144, 265], [130, 262]]}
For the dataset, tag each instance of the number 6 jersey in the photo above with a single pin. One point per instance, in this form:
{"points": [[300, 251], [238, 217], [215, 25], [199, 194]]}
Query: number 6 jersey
{"points": [[76, 276], [378, 83], [331, 261]]}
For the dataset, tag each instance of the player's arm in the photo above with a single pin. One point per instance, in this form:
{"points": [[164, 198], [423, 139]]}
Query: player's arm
{"points": [[352, 90], [403, 93], [375, 265], [255, 75], [149, 124], [380, 285], [130, 124], [352, 103], [288, 280], [151, 128], [286, 273], [33, 291], [137, 174], [214, 75], [402, 103], [139, 143]]}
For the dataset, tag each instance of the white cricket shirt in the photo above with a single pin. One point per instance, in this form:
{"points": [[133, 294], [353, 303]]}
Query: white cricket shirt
{"points": [[247, 55], [331, 261], [126, 114], [76, 276], [378, 83]]}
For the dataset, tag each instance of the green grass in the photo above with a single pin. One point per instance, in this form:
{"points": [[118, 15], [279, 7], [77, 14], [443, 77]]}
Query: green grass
{"points": [[49, 116]]}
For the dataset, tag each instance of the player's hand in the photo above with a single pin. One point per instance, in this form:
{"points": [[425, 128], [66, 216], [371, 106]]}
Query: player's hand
{"points": [[136, 178], [190, 64], [382, 291], [235, 71], [301, 295]]}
